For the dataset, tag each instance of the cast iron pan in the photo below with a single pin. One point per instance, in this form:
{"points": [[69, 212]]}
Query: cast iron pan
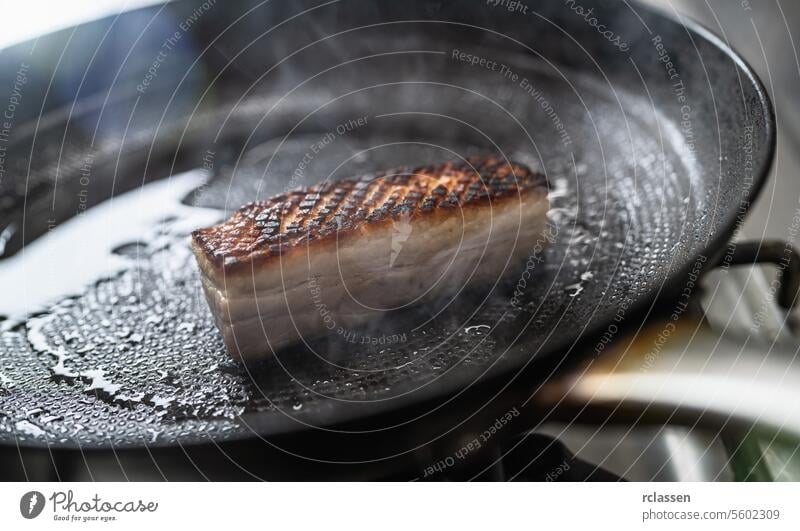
{"points": [[653, 154]]}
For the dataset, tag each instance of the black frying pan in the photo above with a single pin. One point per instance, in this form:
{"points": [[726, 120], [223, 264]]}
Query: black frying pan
{"points": [[654, 135]]}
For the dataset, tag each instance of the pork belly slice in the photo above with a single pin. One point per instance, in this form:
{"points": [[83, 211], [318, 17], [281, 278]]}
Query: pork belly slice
{"points": [[323, 259]]}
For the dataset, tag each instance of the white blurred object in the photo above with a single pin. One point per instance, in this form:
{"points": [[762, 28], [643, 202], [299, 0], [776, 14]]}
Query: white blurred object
{"points": [[31, 18]]}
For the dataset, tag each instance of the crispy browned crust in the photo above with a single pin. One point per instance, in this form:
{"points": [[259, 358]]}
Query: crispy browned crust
{"points": [[262, 230]]}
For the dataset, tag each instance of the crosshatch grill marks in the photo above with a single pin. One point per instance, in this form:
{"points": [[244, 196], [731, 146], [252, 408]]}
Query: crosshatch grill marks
{"points": [[330, 210]]}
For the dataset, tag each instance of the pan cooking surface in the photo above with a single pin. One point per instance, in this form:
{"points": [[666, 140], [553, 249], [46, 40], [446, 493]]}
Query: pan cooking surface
{"points": [[137, 357], [134, 358]]}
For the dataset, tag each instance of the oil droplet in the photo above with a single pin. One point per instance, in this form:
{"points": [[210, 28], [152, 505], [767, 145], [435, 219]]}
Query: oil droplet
{"points": [[99, 382], [577, 287], [477, 330], [29, 428], [160, 402]]}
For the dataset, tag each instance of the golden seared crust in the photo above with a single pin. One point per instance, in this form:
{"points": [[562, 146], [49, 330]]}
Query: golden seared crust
{"points": [[262, 230]]}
